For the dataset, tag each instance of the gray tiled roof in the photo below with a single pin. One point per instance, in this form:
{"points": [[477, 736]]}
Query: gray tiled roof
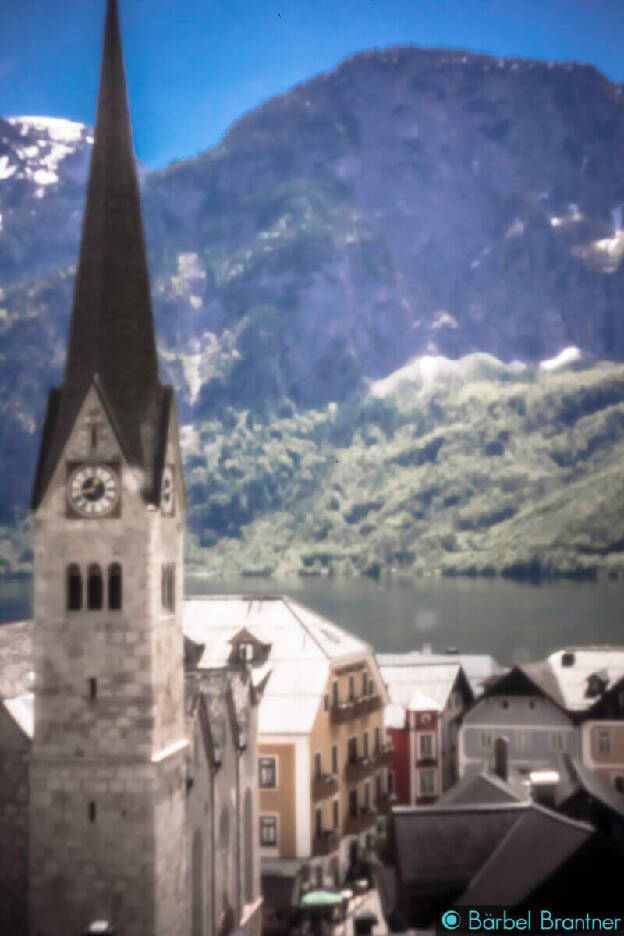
{"points": [[495, 853], [538, 843], [480, 787], [445, 847], [575, 778]]}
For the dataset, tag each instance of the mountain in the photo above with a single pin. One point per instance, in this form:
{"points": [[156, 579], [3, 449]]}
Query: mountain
{"points": [[409, 203]]}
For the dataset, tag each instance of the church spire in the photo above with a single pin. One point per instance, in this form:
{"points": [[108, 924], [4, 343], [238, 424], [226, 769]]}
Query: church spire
{"points": [[112, 332]]}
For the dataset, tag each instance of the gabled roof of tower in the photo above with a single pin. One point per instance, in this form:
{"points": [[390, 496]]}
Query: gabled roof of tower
{"points": [[112, 332]]}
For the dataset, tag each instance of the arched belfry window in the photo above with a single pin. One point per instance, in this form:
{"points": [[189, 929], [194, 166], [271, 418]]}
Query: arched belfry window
{"points": [[114, 587], [74, 588], [94, 588]]}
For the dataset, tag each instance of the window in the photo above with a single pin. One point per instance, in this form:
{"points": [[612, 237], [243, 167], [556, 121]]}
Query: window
{"points": [[334, 758], [335, 814], [364, 683], [114, 587], [618, 783], [245, 651], [604, 741], [365, 740], [94, 588], [326, 702], [426, 782], [353, 804], [390, 781], [556, 741], [167, 587], [92, 811], [352, 750], [74, 588], [92, 689], [367, 795], [486, 739], [318, 767], [268, 773], [224, 829], [318, 821], [351, 689], [425, 744], [249, 847], [335, 696], [268, 830], [522, 740], [378, 787], [504, 703], [377, 738]]}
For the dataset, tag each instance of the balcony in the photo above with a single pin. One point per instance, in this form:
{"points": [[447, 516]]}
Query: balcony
{"points": [[323, 786], [359, 769], [384, 755], [354, 708], [342, 712], [326, 843], [367, 704], [385, 802], [355, 825]]}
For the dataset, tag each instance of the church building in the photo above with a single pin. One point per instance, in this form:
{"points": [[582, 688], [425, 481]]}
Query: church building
{"points": [[134, 783]]}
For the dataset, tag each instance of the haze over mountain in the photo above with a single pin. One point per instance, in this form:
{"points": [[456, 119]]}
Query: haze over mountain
{"points": [[411, 202]]}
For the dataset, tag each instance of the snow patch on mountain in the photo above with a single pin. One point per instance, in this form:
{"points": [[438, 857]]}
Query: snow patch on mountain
{"points": [[423, 372]]}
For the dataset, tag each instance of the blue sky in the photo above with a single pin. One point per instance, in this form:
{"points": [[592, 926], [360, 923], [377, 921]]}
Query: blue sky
{"points": [[194, 66]]}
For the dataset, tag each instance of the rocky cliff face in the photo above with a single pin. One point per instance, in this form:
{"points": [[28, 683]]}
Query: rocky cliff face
{"points": [[411, 201]]}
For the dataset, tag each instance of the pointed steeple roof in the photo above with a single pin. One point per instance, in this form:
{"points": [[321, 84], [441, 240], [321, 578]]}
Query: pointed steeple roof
{"points": [[112, 331]]}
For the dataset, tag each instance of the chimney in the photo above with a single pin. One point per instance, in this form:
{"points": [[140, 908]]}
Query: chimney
{"points": [[501, 758]]}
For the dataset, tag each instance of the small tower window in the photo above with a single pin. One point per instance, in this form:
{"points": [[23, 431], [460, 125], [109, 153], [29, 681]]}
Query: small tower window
{"points": [[94, 588], [114, 587], [92, 689], [168, 587], [92, 811], [74, 588], [94, 436]]}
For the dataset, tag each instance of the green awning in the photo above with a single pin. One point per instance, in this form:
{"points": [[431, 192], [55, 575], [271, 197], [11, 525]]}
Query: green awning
{"points": [[320, 898]]}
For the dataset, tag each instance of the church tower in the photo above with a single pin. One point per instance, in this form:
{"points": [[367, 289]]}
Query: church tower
{"points": [[107, 778]]}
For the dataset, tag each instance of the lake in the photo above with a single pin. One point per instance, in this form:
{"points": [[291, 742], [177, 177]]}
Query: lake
{"points": [[514, 622]]}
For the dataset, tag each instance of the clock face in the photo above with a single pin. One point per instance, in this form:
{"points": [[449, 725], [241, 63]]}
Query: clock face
{"points": [[93, 490], [166, 493]]}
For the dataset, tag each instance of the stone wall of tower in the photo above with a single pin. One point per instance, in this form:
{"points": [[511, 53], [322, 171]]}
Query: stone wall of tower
{"points": [[14, 756], [136, 653], [107, 777], [106, 845]]}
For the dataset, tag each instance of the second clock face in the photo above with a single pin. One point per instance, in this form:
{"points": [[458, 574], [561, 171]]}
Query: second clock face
{"points": [[166, 496], [93, 490]]}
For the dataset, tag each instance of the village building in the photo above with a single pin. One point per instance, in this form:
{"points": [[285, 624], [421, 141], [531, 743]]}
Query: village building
{"points": [[545, 710], [427, 701], [128, 789], [323, 754]]}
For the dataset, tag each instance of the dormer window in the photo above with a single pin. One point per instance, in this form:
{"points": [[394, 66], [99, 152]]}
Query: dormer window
{"points": [[246, 651], [596, 684], [248, 648]]}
